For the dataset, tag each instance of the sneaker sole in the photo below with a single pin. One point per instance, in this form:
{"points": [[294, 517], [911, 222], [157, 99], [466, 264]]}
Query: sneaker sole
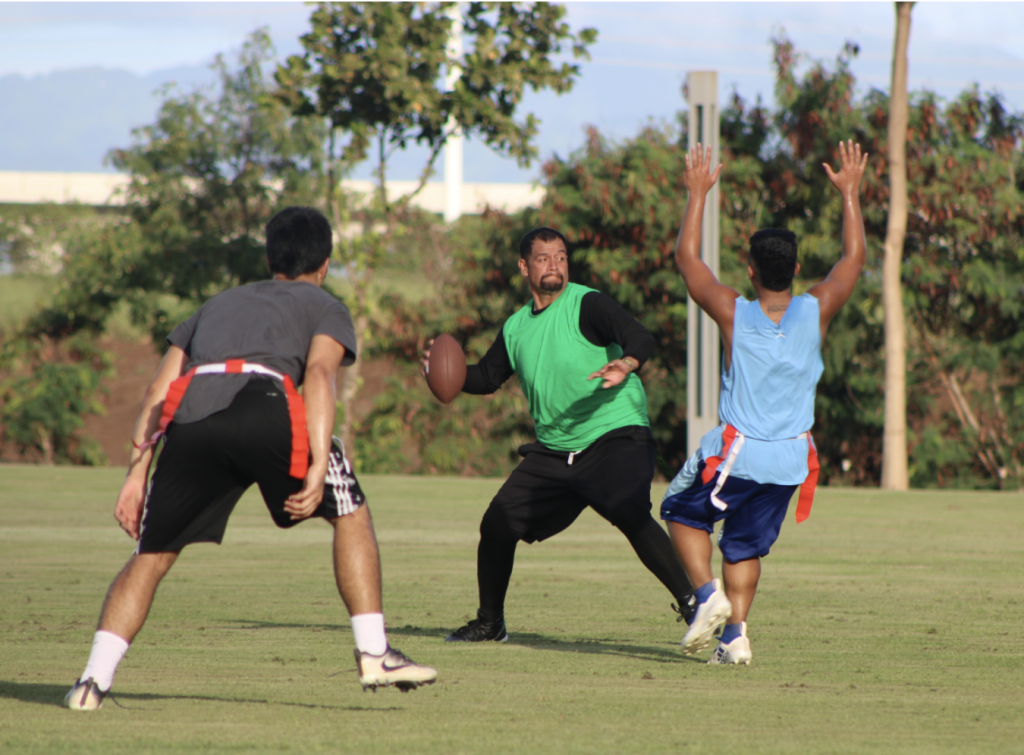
{"points": [[402, 686], [702, 640]]}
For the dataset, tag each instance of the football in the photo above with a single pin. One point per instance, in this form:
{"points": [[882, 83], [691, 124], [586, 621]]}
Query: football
{"points": [[446, 368]]}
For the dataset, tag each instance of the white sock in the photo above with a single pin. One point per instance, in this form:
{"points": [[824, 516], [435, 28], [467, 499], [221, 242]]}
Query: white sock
{"points": [[368, 629], [107, 651]]}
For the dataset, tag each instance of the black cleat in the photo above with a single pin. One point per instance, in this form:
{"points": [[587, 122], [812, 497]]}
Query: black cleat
{"points": [[686, 610], [479, 630]]}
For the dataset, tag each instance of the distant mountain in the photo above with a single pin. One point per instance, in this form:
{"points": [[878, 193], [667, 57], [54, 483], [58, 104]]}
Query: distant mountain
{"points": [[68, 120]]}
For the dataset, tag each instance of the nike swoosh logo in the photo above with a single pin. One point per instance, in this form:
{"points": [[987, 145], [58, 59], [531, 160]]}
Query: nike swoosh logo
{"points": [[385, 667]]}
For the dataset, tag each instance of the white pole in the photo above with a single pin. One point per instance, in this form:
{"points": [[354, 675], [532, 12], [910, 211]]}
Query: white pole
{"points": [[702, 345], [453, 147]]}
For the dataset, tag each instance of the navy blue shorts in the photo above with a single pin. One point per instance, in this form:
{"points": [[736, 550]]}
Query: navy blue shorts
{"points": [[753, 515]]}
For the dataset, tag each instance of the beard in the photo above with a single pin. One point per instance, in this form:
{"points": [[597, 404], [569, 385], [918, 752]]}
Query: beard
{"points": [[552, 282]]}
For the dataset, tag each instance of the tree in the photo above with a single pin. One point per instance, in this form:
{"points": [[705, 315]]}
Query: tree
{"points": [[407, 430], [42, 405], [962, 271], [34, 237], [204, 179], [373, 72], [894, 444], [963, 282]]}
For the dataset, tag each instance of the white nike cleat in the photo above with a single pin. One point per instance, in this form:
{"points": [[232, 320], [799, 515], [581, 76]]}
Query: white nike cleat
{"points": [[392, 669], [710, 615], [737, 651], [85, 695]]}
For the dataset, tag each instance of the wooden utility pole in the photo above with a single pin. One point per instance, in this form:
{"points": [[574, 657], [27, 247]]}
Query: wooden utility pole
{"points": [[894, 443]]}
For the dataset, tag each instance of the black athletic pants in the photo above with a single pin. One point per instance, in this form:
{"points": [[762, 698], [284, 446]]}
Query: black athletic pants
{"points": [[549, 490]]}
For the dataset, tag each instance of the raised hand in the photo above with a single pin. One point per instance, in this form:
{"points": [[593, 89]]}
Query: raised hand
{"points": [[698, 177], [851, 168], [837, 287]]}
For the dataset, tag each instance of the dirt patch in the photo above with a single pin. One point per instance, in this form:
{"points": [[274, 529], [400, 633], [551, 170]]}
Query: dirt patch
{"points": [[135, 365]]}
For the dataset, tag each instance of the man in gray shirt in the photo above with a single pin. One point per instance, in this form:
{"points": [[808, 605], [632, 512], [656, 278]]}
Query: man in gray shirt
{"points": [[225, 402]]}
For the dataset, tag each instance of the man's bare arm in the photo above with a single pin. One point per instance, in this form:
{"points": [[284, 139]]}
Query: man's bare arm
{"points": [[833, 292], [319, 396], [715, 298], [128, 509]]}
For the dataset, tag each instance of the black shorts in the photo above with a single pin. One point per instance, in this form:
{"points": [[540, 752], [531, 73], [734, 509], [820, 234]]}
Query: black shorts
{"points": [[546, 492], [206, 466]]}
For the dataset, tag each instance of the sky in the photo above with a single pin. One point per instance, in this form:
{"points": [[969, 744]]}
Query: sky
{"points": [[635, 74]]}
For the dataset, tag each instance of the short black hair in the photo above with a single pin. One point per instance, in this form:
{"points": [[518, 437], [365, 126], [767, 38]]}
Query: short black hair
{"points": [[773, 254], [299, 239], [544, 234]]}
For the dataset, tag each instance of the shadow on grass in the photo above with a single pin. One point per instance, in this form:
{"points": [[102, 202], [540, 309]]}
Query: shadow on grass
{"points": [[603, 645], [606, 645], [408, 630], [53, 694], [253, 624]]}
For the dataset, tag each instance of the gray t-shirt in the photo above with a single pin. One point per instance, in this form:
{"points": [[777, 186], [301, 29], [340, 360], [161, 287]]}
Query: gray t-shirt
{"points": [[271, 323]]}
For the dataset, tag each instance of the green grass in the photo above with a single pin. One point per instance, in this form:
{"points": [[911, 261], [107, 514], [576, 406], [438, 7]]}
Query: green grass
{"points": [[886, 623], [21, 296]]}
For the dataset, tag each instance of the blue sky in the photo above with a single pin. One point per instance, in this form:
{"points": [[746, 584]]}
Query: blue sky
{"points": [[635, 75]]}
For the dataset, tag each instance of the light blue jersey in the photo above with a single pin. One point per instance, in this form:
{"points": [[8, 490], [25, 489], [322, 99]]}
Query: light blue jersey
{"points": [[768, 390], [767, 394]]}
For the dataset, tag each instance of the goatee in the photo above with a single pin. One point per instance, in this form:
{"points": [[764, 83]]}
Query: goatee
{"points": [[547, 284]]}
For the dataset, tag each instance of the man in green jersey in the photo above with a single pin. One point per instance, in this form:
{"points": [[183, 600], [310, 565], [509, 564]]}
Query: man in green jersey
{"points": [[575, 352]]}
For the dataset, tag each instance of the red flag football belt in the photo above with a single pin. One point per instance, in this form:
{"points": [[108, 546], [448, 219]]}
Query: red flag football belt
{"points": [[296, 408], [732, 441]]}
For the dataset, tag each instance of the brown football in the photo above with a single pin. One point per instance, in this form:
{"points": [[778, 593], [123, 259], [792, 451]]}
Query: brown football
{"points": [[446, 368]]}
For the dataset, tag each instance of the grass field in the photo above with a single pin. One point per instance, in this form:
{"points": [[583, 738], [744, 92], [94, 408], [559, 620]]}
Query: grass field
{"points": [[886, 624]]}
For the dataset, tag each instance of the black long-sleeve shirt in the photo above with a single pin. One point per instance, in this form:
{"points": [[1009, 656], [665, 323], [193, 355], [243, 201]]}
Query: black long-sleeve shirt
{"points": [[602, 322]]}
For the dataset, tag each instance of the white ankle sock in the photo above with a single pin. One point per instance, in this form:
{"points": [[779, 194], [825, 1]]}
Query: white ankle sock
{"points": [[107, 651], [368, 629]]}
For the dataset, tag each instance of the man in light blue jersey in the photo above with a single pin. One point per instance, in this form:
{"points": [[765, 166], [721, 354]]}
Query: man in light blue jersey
{"points": [[747, 470]]}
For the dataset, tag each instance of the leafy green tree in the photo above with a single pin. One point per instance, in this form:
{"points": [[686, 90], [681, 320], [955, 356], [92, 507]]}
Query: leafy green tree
{"points": [[34, 237], [407, 430], [962, 270], [43, 404], [963, 280], [373, 73], [204, 179]]}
